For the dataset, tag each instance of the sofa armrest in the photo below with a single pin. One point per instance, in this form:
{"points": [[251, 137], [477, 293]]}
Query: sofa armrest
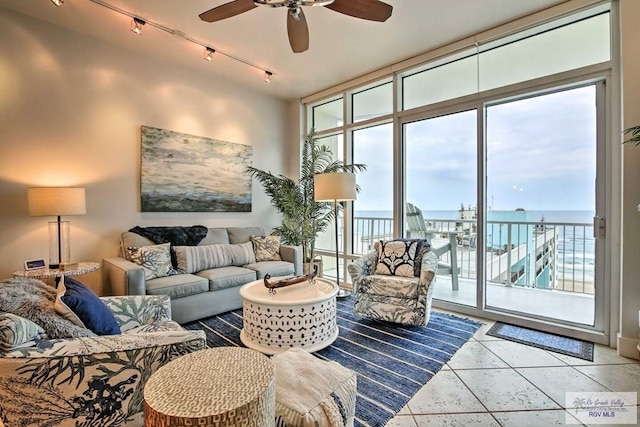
{"points": [[87, 382], [293, 254], [134, 311], [122, 277]]}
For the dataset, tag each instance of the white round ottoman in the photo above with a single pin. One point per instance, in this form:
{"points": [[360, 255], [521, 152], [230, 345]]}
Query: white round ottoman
{"points": [[225, 386]]}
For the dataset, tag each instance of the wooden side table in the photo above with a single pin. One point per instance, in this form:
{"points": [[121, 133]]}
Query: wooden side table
{"points": [[226, 386]]}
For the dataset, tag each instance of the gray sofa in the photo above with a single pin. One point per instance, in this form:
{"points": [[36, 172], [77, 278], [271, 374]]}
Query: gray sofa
{"points": [[203, 293]]}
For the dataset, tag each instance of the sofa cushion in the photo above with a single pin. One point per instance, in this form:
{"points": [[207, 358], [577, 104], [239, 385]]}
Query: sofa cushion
{"points": [[154, 259], [273, 268], [266, 248], [227, 277], [17, 331], [177, 286], [215, 236], [241, 254], [78, 304], [191, 259], [129, 238], [243, 234]]}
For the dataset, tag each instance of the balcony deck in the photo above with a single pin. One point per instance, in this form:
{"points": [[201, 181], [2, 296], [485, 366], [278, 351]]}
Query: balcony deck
{"points": [[567, 306]]}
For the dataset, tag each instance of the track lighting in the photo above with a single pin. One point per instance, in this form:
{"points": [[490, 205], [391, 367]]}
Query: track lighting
{"points": [[137, 23], [57, 2], [136, 26], [208, 54]]}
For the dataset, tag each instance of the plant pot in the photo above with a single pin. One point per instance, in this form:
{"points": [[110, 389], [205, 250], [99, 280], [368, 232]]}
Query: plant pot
{"points": [[307, 267]]}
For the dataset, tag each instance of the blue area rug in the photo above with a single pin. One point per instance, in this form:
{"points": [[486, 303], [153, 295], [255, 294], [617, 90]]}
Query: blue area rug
{"points": [[392, 362], [556, 343]]}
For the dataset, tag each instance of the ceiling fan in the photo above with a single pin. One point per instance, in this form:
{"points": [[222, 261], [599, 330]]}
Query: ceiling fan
{"points": [[372, 10]]}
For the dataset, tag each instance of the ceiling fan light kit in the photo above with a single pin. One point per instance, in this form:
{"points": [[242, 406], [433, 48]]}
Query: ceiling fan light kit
{"points": [[297, 28]]}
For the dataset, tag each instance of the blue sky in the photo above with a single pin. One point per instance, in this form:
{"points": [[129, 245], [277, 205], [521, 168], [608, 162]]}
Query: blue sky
{"points": [[540, 156]]}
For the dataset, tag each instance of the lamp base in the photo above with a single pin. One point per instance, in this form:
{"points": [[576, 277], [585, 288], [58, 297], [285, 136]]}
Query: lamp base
{"points": [[344, 293]]}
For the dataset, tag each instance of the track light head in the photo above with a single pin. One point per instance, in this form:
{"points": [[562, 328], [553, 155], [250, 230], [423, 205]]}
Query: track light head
{"points": [[208, 54], [57, 2], [267, 76], [136, 26]]}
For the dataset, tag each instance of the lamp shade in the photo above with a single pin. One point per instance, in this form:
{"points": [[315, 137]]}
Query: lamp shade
{"points": [[334, 186], [47, 201]]}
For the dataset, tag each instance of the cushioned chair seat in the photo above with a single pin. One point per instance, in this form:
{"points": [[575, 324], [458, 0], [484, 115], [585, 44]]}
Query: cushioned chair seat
{"points": [[393, 286], [227, 277], [177, 286], [158, 326], [273, 268]]}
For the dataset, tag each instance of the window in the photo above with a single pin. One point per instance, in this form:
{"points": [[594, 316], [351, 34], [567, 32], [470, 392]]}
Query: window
{"points": [[373, 102]]}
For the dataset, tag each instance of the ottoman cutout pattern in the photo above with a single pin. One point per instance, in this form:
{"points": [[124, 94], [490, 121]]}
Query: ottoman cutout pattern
{"points": [[313, 392]]}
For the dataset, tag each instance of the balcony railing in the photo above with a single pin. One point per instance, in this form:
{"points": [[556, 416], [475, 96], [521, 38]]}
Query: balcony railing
{"points": [[543, 255]]}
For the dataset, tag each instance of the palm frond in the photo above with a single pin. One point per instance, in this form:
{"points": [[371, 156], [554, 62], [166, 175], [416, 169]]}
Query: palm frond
{"points": [[635, 135], [303, 218]]}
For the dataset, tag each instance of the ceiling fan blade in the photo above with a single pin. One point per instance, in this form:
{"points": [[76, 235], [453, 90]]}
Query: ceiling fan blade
{"points": [[227, 10], [298, 31], [371, 10]]}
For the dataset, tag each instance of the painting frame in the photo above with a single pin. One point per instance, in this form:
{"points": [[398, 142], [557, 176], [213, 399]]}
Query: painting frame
{"points": [[180, 172]]}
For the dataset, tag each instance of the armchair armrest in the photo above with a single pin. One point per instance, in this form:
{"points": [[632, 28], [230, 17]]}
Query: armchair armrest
{"points": [[134, 311], [293, 254], [122, 277], [98, 381], [362, 267], [428, 268]]}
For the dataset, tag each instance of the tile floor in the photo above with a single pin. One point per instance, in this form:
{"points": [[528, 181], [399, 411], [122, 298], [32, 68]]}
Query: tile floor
{"points": [[493, 382]]}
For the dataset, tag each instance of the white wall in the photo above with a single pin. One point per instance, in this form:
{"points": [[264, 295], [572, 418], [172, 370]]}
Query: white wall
{"points": [[71, 108], [630, 290]]}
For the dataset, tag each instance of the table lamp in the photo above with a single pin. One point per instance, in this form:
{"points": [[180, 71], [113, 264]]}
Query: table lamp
{"points": [[57, 201], [335, 187]]}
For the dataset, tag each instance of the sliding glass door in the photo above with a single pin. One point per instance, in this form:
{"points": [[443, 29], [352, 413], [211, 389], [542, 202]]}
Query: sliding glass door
{"points": [[541, 174]]}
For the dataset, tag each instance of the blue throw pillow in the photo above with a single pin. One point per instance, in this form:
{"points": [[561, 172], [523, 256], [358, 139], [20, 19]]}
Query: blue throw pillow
{"points": [[78, 304]]}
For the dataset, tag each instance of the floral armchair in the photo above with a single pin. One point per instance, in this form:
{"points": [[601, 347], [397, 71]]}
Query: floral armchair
{"points": [[394, 298], [93, 381]]}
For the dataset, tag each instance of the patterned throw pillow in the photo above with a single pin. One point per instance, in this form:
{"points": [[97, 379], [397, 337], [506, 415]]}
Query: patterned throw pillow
{"points": [[155, 259], [396, 258], [191, 259], [266, 248], [16, 331], [241, 253]]}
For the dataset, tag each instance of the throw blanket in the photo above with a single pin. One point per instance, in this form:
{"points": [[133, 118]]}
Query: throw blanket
{"points": [[34, 300], [177, 236]]}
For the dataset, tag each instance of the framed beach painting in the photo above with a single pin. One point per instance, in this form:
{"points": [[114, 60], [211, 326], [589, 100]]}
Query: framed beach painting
{"points": [[187, 173]]}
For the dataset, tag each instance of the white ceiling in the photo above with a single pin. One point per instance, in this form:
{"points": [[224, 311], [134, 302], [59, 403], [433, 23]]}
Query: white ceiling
{"points": [[341, 47]]}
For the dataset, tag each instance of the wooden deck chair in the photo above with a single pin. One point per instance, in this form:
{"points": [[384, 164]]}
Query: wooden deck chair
{"points": [[417, 228]]}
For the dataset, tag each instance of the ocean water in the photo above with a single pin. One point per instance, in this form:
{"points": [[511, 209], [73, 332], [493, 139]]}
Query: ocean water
{"points": [[575, 245]]}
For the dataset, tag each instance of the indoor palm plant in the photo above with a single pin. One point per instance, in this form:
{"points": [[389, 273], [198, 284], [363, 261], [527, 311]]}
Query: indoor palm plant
{"points": [[302, 217]]}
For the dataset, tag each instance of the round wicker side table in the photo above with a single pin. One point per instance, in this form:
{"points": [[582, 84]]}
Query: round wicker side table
{"points": [[226, 386]]}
